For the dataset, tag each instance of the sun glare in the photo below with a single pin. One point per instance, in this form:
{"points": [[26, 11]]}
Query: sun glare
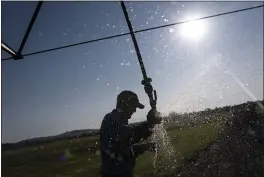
{"points": [[194, 30]]}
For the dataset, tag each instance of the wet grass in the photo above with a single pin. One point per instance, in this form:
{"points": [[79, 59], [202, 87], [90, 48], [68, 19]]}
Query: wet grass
{"points": [[80, 157]]}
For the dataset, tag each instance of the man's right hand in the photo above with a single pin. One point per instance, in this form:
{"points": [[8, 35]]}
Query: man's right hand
{"points": [[154, 117]]}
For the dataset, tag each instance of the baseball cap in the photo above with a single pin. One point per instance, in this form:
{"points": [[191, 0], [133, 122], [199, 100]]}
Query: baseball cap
{"points": [[129, 96]]}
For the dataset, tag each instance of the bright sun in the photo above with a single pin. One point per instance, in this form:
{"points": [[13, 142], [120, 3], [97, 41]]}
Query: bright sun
{"points": [[193, 30]]}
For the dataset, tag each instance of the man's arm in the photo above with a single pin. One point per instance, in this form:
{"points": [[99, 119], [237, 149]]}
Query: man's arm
{"points": [[141, 130], [119, 138], [145, 129]]}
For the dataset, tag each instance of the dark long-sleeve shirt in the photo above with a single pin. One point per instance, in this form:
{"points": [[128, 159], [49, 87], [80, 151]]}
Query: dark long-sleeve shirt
{"points": [[118, 154]]}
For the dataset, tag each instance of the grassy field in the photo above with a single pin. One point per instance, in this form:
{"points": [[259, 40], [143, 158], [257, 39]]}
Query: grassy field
{"points": [[81, 157]]}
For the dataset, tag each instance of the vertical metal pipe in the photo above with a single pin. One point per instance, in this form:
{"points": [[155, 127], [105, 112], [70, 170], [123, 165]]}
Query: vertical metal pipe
{"points": [[146, 81], [30, 27], [134, 41]]}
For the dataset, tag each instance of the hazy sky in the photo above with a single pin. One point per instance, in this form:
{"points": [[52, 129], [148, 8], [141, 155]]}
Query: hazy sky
{"points": [[208, 63]]}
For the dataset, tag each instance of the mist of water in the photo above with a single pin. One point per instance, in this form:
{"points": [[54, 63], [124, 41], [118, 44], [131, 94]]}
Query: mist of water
{"points": [[165, 149]]}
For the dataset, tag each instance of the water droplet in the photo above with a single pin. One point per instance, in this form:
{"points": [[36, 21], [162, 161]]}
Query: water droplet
{"points": [[64, 34], [107, 84], [40, 33], [166, 20], [84, 25], [98, 79], [171, 30], [114, 26], [122, 64], [84, 67], [128, 64], [66, 105]]}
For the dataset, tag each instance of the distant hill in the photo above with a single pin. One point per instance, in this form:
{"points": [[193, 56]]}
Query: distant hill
{"points": [[79, 133], [174, 119], [48, 139], [209, 115]]}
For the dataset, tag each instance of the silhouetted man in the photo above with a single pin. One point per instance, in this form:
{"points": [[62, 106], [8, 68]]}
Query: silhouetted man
{"points": [[118, 139]]}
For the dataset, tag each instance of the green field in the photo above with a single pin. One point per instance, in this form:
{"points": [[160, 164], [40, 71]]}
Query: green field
{"points": [[83, 157]]}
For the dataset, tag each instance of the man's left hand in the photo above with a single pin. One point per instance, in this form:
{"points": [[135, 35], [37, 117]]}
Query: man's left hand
{"points": [[141, 148]]}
